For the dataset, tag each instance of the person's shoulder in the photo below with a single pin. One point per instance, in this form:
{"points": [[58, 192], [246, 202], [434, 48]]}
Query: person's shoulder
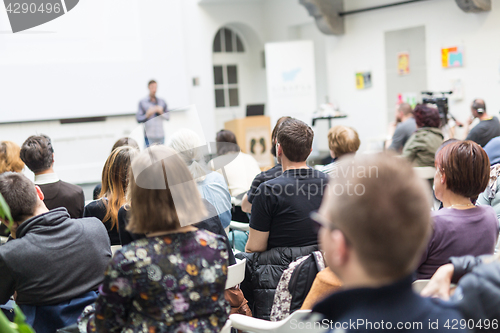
{"points": [[70, 187], [445, 314]]}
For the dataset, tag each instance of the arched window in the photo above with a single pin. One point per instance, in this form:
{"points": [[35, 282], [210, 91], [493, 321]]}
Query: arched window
{"points": [[227, 41]]}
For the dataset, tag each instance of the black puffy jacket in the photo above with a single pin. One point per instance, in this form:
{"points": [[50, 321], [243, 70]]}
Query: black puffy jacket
{"points": [[478, 291], [262, 275]]}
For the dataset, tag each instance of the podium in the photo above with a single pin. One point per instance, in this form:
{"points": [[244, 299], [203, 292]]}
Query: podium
{"points": [[253, 135]]}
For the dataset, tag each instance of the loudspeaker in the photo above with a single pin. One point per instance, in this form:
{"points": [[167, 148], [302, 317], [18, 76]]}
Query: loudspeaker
{"points": [[474, 6], [326, 15]]}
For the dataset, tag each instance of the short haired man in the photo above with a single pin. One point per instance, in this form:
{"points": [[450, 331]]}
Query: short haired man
{"points": [[38, 155], [281, 207], [53, 263], [152, 111], [488, 127], [404, 129], [374, 225], [342, 140], [276, 171]]}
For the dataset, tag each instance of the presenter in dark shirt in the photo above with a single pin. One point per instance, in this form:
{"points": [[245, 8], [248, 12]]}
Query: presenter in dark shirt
{"points": [[488, 127], [281, 207], [152, 111]]}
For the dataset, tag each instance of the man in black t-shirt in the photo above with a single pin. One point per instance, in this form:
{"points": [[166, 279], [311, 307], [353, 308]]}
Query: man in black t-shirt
{"points": [[488, 127], [281, 206], [276, 171]]}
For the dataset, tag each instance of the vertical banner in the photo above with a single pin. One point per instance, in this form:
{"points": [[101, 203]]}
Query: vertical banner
{"points": [[291, 80]]}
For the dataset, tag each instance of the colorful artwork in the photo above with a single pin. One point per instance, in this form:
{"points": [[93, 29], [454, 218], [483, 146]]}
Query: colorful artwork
{"points": [[363, 80], [403, 63], [452, 57]]}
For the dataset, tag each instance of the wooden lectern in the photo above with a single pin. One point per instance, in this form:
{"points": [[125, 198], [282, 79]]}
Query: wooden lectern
{"points": [[253, 135]]}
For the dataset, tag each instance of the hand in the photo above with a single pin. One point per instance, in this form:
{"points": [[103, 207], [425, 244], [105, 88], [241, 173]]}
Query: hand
{"points": [[459, 123], [439, 285], [470, 120], [159, 109]]}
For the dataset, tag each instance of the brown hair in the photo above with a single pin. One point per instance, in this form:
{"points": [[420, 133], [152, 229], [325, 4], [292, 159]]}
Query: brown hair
{"points": [[151, 82], [20, 195], [125, 142], [163, 194], [343, 140], [226, 142], [466, 167], [115, 181], [295, 138], [382, 207], [405, 108], [274, 134], [36, 153], [9, 157]]}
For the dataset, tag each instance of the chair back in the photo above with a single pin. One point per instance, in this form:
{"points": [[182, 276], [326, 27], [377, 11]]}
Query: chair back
{"points": [[296, 321], [236, 273]]}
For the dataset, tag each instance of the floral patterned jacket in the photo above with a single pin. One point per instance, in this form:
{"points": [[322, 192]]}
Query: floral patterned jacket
{"points": [[171, 283]]}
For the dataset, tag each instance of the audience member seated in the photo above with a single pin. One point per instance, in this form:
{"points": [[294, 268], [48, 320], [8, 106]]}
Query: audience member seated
{"points": [[120, 143], [280, 227], [54, 264], [491, 196], [405, 126], [477, 294], [488, 127], [38, 155], [423, 144], [342, 140], [492, 148], [239, 169], [460, 228], [9, 161], [276, 171], [174, 279], [211, 185], [9, 157], [112, 197], [372, 241]]}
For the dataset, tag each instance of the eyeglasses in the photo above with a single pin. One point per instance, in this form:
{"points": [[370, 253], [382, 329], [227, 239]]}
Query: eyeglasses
{"points": [[320, 222]]}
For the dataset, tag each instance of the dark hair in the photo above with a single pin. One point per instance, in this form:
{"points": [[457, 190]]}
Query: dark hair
{"points": [[151, 82], [36, 153], [274, 134], [295, 138], [125, 142], [426, 116], [466, 167], [19, 194], [225, 136]]}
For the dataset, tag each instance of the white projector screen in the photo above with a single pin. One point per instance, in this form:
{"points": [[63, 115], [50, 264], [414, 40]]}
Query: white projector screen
{"points": [[95, 60]]}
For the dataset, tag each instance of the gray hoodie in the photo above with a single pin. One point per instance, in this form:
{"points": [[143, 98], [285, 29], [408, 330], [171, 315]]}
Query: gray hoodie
{"points": [[53, 259]]}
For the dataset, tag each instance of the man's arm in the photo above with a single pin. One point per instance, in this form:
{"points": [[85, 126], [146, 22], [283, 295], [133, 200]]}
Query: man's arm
{"points": [[143, 115], [257, 241], [246, 206], [397, 140], [7, 283]]}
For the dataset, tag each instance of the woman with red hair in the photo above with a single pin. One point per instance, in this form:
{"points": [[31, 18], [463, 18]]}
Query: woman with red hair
{"points": [[423, 144]]}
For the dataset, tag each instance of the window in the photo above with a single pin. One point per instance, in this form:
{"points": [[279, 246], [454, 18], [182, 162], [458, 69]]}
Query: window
{"points": [[227, 41], [226, 86]]}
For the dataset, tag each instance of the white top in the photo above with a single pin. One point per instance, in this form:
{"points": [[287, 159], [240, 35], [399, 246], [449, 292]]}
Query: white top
{"points": [[46, 178], [240, 170]]}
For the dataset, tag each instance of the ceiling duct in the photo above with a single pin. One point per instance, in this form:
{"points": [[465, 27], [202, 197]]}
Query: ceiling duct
{"points": [[474, 6], [326, 15]]}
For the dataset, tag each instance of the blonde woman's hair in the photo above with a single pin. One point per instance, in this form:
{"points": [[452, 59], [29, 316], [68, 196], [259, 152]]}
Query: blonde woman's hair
{"points": [[10, 159], [115, 178], [189, 146], [163, 195]]}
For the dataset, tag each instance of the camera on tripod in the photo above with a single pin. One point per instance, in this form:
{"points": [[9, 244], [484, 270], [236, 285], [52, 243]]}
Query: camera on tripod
{"points": [[440, 101]]}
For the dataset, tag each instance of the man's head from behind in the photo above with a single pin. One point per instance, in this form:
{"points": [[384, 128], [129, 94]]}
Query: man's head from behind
{"points": [[343, 140], [404, 111], [478, 107], [37, 153], [378, 218], [20, 194], [295, 140]]}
